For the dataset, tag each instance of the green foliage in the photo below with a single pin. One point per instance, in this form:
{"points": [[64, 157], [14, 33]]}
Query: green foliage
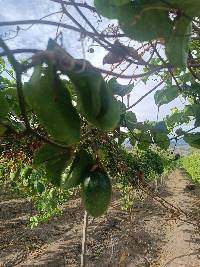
{"points": [[191, 164], [177, 45], [48, 204], [133, 18], [4, 107], [118, 2], [55, 159], [193, 111], [176, 118], [33, 185], [193, 139], [2, 129], [165, 95], [154, 162], [139, 20], [190, 8], [130, 120], [162, 140]]}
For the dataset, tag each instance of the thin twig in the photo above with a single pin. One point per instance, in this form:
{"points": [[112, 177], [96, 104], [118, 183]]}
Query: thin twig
{"points": [[145, 95], [82, 29], [68, 3], [56, 24], [89, 23], [169, 69], [57, 33]]}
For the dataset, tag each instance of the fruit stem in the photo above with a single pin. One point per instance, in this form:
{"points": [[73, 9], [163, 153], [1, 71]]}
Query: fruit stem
{"points": [[84, 240]]}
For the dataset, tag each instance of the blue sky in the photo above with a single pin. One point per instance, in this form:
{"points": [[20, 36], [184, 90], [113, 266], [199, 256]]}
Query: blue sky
{"points": [[38, 35]]}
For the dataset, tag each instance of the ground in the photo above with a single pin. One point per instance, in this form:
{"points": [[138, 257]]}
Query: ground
{"points": [[148, 236]]}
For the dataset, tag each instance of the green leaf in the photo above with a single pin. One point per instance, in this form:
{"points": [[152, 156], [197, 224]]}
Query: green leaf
{"points": [[178, 117], [165, 95], [2, 64], [135, 17], [14, 175], [122, 106], [160, 126], [132, 140], [193, 139], [105, 8], [26, 172], [118, 2], [119, 89], [55, 168], [130, 120], [159, 133], [192, 91], [2, 129], [193, 111], [40, 187], [177, 45], [140, 19], [51, 102], [190, 7], [162, 140], [49, 152], [55, 160], [95, 99], [4, 106], [121, 138], [145, 140], [89, 87], [11, 97]]}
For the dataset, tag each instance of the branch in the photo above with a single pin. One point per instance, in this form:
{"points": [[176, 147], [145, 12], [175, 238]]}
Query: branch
{"points": [[68, 3], [86, 20], [21, 51], [118, 75], [141, 98], [56, 24], [195, 27], [64, 60], [80, 30]]}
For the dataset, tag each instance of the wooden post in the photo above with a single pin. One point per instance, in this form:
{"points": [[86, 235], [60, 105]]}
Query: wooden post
{"points": [[84, 240]]}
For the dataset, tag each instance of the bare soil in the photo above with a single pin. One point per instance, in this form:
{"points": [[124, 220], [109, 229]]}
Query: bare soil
{"points": [[148, 236]]}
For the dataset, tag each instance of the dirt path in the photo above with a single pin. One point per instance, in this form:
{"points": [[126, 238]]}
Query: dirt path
{"points": [[147, 237], [182, 247]]}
